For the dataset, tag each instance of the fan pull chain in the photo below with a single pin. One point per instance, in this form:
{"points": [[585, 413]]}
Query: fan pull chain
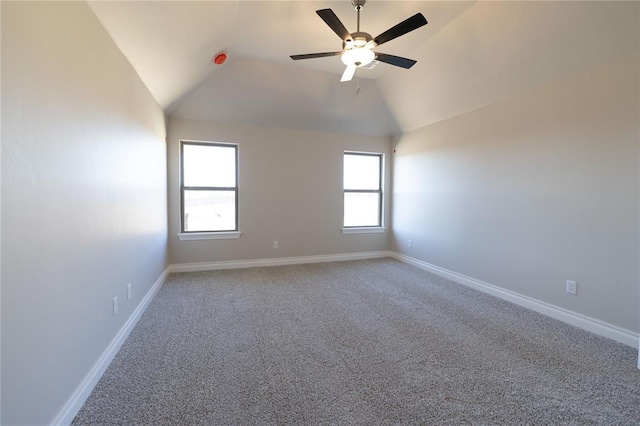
{"points": [[357, 80]]}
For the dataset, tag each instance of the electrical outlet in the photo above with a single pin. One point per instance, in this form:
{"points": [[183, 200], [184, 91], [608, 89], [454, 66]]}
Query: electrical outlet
{"points": [[128, 291], [115, 305], [410, 243], [275, 244], [572, 287]]}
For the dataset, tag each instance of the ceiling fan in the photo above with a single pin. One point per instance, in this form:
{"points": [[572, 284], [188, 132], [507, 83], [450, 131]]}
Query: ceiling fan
{"points": [[357, 48]]}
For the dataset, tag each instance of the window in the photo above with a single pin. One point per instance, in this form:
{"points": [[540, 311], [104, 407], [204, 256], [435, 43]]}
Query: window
{"points": [[362, 190], [208, 186]]}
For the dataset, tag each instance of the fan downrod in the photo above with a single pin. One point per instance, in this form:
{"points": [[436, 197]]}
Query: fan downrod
{"points": [[358, 5]]}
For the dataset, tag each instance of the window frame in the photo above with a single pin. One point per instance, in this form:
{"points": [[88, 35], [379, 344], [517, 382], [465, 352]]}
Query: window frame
{"points": [[209, 234], [360, 229]]}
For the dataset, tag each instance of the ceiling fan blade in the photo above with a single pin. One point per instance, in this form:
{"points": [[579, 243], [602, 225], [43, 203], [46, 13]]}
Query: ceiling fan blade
{"points": [[408, 25], [398, 61], [315, 55], [334, 23], [348, 73]]}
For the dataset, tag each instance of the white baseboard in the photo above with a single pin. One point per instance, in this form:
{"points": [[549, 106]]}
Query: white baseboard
{"points": [[593, 325], [237, 264], [75, 402]]}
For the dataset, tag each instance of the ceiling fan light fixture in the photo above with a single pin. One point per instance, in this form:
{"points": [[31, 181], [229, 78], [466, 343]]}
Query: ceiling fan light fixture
{"points": [[357, 48], [358, 56]]}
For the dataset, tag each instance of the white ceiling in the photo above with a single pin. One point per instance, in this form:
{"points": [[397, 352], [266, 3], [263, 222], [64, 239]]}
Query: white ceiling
{"points": [[497, 50], [171, 43], [469, 55], [259, 93]]}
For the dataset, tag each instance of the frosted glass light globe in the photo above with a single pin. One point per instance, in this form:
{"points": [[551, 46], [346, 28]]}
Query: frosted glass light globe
{"points": [[358, 56]]}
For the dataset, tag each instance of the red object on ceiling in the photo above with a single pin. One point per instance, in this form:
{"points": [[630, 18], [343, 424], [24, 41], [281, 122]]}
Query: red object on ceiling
{"points": [[219, 59]]}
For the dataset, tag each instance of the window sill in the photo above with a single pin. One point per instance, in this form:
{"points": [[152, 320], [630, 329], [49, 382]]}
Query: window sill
{"points": [[189, 236], [364, 230]]}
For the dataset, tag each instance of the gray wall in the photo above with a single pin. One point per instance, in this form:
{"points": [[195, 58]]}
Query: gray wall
{"points": [[83, 201], [531, 191], [290, 190]]}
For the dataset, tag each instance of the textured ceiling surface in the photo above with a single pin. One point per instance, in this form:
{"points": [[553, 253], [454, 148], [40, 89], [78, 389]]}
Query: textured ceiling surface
{"points": [[469, 55]]}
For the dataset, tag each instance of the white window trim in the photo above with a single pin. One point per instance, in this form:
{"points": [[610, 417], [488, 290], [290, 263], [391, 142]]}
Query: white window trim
{"points": [[369, 229], [364, 230], [190, 236], [207, 235]]}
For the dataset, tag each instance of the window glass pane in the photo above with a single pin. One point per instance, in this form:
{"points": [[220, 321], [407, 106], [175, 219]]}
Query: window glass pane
{"points": [[209, 165], [361, 209], [209, 211], [361, 171]]}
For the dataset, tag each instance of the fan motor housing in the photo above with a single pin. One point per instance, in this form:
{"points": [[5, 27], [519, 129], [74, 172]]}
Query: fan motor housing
{"points": [[358, 39]]}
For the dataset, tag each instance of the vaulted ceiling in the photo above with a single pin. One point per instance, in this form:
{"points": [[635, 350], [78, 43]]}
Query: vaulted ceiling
{"points": [[469, 55]]}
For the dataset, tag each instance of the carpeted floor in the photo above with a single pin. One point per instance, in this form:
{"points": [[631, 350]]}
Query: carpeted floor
{"points": [[364, 342]]}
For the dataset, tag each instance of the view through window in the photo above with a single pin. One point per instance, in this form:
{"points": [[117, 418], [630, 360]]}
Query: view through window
{"points": [[362, 189], [209, 190]]}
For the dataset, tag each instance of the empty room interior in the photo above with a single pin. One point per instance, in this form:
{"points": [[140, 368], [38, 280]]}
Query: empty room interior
{"points": [[202, 225]]}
